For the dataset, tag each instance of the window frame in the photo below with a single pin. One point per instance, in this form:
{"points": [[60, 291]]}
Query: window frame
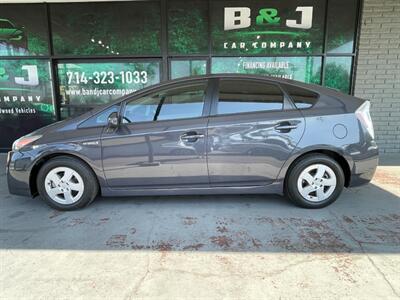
{"points": [[206, 107], [285, 104]]}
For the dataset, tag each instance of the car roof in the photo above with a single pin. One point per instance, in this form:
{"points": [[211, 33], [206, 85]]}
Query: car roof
{"points": [[308, 86], [326, 91]]}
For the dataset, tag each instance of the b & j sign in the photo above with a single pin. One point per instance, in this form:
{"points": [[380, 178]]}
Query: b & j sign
{"points": [[267, 27]]}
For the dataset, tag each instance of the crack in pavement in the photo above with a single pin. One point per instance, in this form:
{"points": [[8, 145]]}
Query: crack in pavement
{"points": [[365, 252], [239, 275], [138, 285]]}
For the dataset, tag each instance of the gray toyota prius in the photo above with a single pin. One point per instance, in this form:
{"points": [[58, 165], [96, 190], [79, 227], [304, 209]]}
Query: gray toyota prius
{"points": [[218, 134]]}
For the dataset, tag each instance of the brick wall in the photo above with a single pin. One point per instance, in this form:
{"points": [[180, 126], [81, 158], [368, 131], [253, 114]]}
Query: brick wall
{"points": [[378, 69]]}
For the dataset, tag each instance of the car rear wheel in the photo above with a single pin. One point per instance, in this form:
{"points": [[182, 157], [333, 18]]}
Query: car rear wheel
{"points": [[315, 181], [66, 183]]}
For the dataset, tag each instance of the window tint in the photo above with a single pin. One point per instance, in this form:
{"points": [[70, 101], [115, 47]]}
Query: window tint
{"points": [[101, 119], [175, 103], [341, 26], [302, 98], [248, 96]]}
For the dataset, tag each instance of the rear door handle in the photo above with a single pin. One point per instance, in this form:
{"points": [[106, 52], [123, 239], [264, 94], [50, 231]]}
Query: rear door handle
{"points": [[191, 137], [285, 126]]}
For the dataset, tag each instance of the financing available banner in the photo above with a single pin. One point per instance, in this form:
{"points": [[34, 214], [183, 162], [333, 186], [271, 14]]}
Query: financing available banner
{"points": [[306, 69]]}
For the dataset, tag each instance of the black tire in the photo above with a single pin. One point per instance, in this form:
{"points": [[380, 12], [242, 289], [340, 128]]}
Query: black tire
{"points": [[291, 190], [90, 189]]}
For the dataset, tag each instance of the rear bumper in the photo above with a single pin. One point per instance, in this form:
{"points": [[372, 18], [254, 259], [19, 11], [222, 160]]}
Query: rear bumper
{"points": [[362, 178], [364, 169], [18, 170]]}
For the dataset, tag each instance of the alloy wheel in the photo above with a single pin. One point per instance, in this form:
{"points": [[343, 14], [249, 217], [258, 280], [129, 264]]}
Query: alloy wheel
{"points": [[64, 185], [317, 182]]}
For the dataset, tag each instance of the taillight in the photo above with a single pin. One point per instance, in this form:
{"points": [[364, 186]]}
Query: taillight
{"points": [[363, 115]]}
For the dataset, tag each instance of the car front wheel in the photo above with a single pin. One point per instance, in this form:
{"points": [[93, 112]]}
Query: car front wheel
{"points": [[66, 183], [315, 181]]}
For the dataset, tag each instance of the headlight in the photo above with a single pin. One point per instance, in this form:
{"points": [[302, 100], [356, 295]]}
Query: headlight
{"points": [[24, 141]]}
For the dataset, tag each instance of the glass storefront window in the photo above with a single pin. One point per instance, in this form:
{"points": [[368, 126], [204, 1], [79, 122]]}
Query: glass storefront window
{"points": [[117, 28], [341, 26], [338, 73], [185, 68], [305, 69], [267, 27], [23, 30], [273, 38], [187, 27], [26, 99], [85, 85]]}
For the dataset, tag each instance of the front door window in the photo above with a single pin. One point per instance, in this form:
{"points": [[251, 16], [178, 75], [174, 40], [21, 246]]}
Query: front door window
{"points": [[171, 104]]}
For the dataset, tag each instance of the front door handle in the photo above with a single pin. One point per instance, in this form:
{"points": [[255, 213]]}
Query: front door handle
{"points": [[285, 126], [191, 137]]}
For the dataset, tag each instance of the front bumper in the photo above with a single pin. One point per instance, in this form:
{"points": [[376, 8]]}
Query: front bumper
{"points": [[18, 170]]}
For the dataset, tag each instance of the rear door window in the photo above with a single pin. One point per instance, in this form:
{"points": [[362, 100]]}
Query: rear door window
{"points": [[240, 96]]}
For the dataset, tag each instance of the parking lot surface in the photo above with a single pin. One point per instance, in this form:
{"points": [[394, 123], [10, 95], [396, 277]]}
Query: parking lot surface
{"points": [[204, 247]]}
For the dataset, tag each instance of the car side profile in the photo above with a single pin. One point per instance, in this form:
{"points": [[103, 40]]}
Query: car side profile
{"points": [[216, 134]]}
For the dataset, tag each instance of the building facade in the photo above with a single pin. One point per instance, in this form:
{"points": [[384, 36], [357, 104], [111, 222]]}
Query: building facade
{"points": [[58, 60], [378, 69]]}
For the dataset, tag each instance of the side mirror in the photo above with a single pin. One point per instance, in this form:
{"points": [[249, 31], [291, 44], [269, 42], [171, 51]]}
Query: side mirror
{"points": [[113, 120]]}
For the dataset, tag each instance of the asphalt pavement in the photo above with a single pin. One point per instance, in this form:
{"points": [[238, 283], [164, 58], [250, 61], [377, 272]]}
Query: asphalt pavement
{"points": [[204, 247]]}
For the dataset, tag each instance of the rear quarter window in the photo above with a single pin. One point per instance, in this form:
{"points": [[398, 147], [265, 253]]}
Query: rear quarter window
{"points": [[302, 98]]}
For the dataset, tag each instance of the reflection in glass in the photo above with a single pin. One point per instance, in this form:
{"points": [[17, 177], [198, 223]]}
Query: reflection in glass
{"points": [[85, 85], [305, 69], [237, 96], [175, 103], [341, 26], [188, 27], [301, 98], [338, 73], [98, 83], [185, 68], [130, 28]]}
